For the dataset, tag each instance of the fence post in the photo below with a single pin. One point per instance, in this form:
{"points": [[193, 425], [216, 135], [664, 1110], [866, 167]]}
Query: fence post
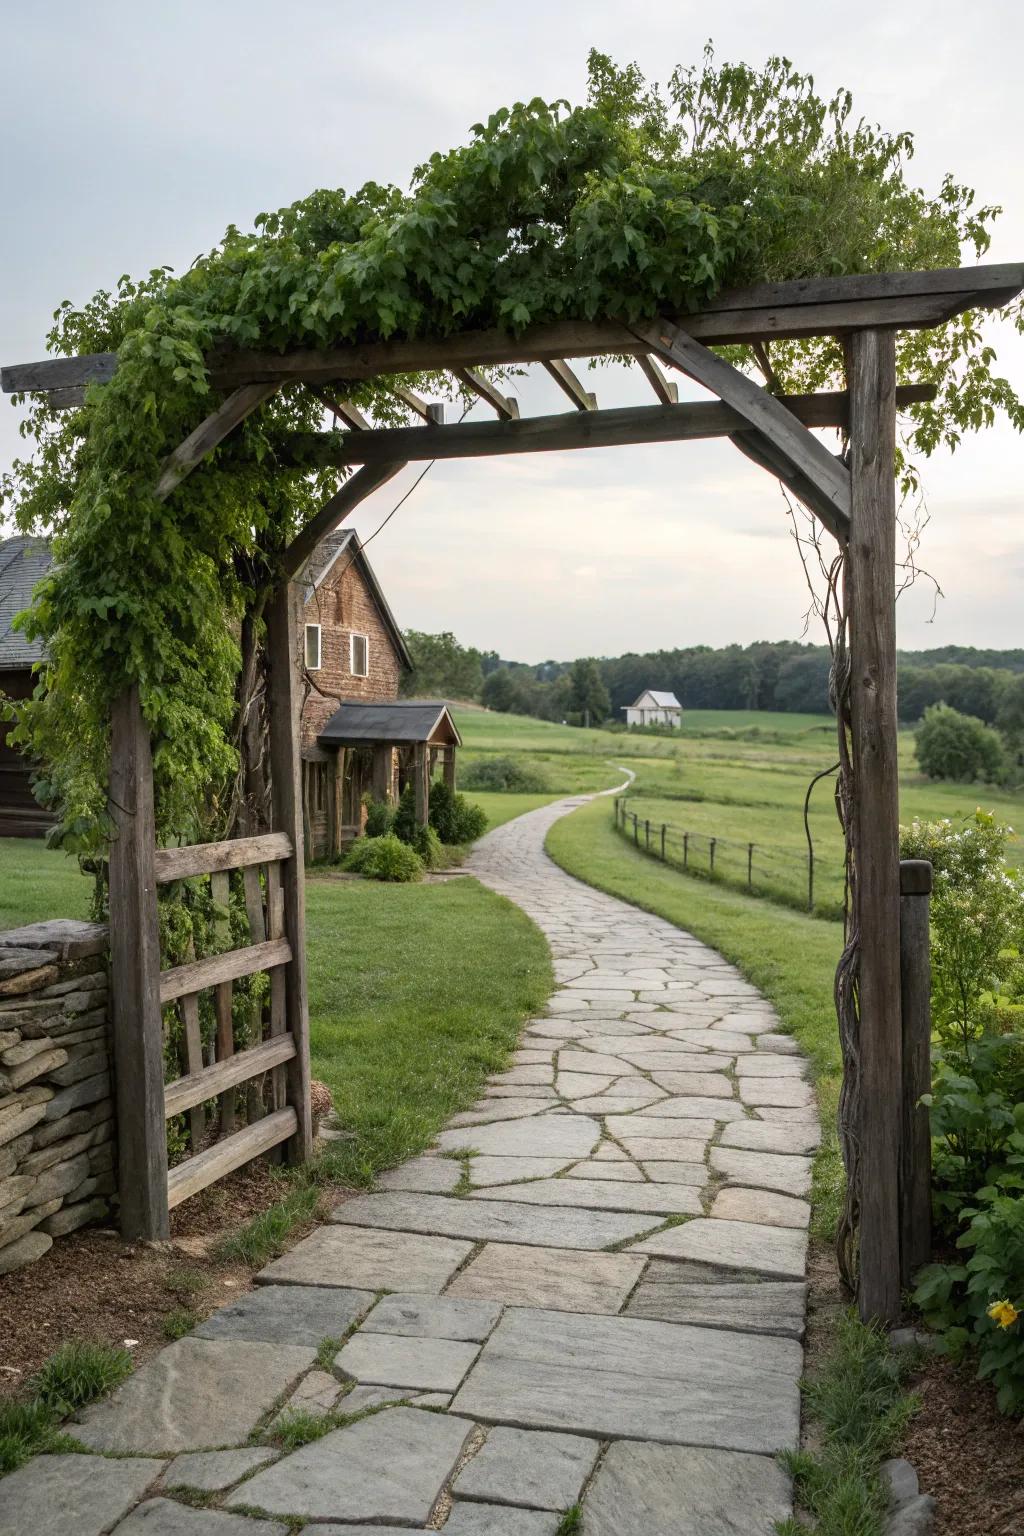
{"points": [[915, 999], [663, 841], [135, 977], [711, 850], [636, 829], [686, 849], [647, 836], [750, 866]]}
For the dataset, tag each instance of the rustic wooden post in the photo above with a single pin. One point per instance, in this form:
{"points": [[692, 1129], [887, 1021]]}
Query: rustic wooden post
{"points": [[916, 1152], [449, 768], [284, 701], [421, 782], [871, 590], [333, 819], [382, 772], [135, 978], [663, 840]]}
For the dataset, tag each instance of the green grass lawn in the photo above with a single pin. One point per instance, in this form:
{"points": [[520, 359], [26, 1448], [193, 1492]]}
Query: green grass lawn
{"points": [[37, 882], [416, 993], [788, 956], [501, 808]]}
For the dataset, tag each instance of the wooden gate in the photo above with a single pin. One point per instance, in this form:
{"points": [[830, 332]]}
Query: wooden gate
{"points": [[275, 907]]}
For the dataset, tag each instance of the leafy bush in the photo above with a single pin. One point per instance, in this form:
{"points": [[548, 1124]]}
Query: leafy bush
{"points": [[950, 745], [404, 822], [504, 775], [977, 1099], [380, 818], [428, 845], [453, 817], [384, 858]]}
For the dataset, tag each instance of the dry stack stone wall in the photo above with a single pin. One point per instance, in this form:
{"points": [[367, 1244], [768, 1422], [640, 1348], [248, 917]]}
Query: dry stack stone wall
{"points": [[57, 1165]]}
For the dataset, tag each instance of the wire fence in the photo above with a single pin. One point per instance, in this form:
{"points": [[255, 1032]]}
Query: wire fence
{"points": [[781, 874]]}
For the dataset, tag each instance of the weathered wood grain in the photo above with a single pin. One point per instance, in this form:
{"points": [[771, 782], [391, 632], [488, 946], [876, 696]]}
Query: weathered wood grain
{"points": [[666, 389], [582, 398], [220, 894], [871, 582], [213, 430], [199, 974], [189, 1177], [135, 977], [189, 1010], [506, 408], [208, 1082], [233, 853]]}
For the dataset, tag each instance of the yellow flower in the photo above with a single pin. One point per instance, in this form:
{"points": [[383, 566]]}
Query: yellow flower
{"points": [[1004, 1313]]}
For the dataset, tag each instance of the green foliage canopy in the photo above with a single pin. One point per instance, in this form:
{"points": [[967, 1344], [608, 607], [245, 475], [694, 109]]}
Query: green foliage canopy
{"points": [[950, 745], [641, 201]]}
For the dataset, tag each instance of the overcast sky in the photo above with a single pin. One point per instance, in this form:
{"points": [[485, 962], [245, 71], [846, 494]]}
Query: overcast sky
{"points": [[133, 134]]}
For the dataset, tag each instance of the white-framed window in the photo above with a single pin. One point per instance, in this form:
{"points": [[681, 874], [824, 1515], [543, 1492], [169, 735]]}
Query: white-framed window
{"points": [[312, 651], [359, 655]]}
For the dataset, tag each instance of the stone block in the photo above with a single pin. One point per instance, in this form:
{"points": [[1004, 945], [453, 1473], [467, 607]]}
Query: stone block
{"points": [[61, 1151], [61, 1179], [555, 1278], [17, 984], [24, 1250], [80, 1495], [491, 1220], [778, 1252], [166, 1517], [18, 1055], [422, 1363], [76, 1067], [468, 1519], [70, 1217], [764, 1205], [529, 1468], [670, 1293], [352, 1256], [602, 1195], [78, 1120], [42, 1065], [433, 1317], [763, 1170], [287, 1314], [660, 1490], [914, 1519], [213, 1471], [425, 1175], [88, 1091]]}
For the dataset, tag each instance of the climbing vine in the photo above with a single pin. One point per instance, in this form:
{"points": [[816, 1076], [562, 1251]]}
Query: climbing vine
{"points": [[642, 200]]}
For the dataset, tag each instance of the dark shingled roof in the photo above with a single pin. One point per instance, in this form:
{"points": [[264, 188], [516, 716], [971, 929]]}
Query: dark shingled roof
{"points": [[410, 720], [24, 561]]}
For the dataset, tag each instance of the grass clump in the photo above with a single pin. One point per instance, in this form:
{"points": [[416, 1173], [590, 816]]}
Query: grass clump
{"points": [[179, 1322], [858, 1409], [267, 1234], [77, 1374], [571, 1521], [299, 1427]]}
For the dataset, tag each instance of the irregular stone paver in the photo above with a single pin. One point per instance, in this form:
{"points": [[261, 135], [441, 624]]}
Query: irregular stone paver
{"points": [[661, 1490], [777, 1251], [197, 1394], [212, 1471], [789, 1091], [427, 1175], [761, 1136], [763, 1170], [164, 1517], [85, 1495], [317, 1393], [528, 1467], [499, 1520], [549, 1277], [389, 1360], [669, 1292], [351, 1256], [602, 1195], [389, 1467], [676, 1173], [491, 1221], [509, 1170], [764, 1205], [625, 1376], [280, 1314], [546, 1135], [433, 1317]]}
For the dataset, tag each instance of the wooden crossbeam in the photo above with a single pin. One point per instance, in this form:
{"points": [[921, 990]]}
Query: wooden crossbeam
{"points": [[234, 853], [208, 1082], [666, 389], [386, 448], [189, 454], [566, 380], [344, 408], [821, 306], [229, 1153], [197, 975], [506, 408], [431, 412], [824, 479]]}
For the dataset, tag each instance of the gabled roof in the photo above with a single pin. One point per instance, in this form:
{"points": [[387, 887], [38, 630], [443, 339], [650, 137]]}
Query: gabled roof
{"points": [[345, 541], [660, 700], [404, 720], [24, 561]]}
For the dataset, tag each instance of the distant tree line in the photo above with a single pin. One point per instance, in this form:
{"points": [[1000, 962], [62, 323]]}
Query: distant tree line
{"points": [[782, 676]]}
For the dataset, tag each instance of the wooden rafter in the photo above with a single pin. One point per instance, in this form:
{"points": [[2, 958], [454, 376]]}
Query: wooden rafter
{"points": [[506, 408], [821, 306], [582, 399], [432, 412], [349, 413], [667, 390], [824, 479]]}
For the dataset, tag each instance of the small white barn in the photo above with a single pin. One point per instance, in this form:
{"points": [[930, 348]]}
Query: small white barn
{"points": [[654, 708]]}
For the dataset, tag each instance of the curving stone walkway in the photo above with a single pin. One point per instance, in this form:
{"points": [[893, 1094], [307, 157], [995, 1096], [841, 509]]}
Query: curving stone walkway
{"points": [[592, 1290]]}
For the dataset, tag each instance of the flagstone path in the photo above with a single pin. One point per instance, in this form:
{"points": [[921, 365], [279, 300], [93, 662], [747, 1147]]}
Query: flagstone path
{"points": [[592, 1289]]}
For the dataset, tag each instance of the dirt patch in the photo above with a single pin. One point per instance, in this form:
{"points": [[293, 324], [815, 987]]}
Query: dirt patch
{"points": [[968, 1456], [92, 1285]]}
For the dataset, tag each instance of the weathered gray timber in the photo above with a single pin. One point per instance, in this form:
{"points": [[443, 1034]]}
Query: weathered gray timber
{"points": [[916, 992], [583, 399]]}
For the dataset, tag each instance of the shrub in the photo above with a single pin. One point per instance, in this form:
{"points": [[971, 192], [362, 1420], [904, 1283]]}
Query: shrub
{"points": [[504, 775], [380, 818], [453, 817], [404, 821], [428, 845], [950, 745], [384, 858]]}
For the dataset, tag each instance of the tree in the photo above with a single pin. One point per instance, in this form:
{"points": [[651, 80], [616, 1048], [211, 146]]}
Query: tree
{"points": [[950, 745], [588, 696], [499, 691], [442, 666]]}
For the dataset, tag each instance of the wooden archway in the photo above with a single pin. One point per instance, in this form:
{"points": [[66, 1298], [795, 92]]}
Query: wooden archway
{"points": [[853, 497]]}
